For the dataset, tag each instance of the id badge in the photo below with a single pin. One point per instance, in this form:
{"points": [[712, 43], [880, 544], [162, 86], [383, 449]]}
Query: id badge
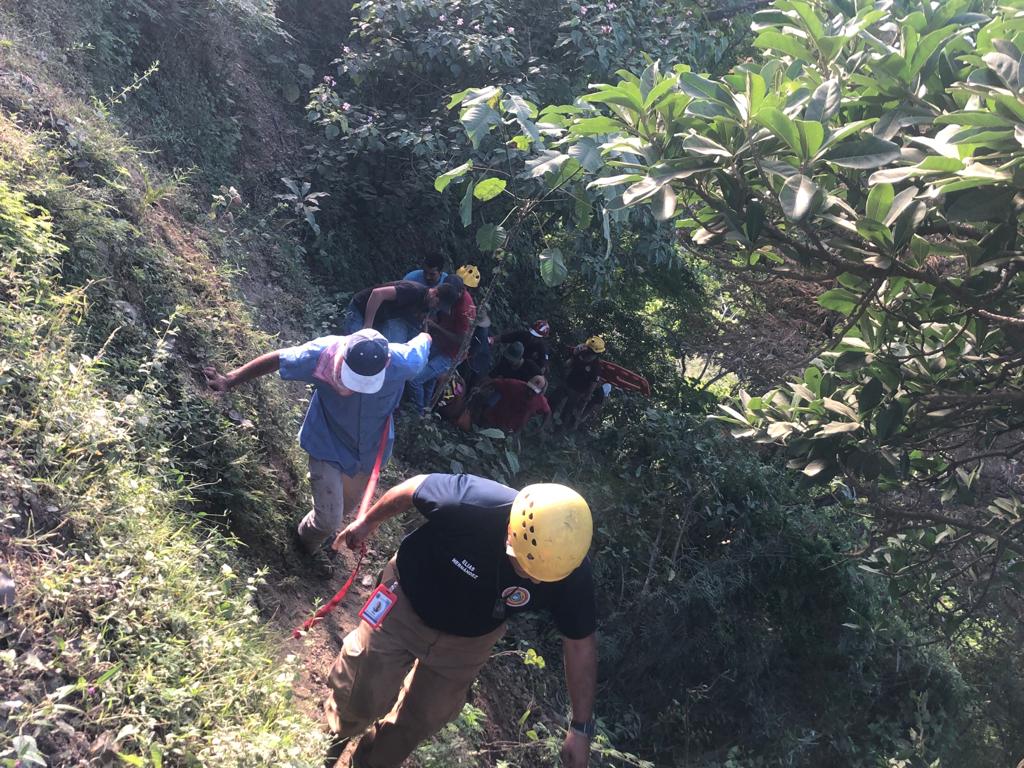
{"points": [[378, 605]]}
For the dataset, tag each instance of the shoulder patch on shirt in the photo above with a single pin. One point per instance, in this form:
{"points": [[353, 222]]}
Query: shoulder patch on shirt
{"points": [[516, 597]]}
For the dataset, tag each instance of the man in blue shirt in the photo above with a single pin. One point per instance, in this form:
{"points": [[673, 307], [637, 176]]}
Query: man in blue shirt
{"points": [[358, 382], [431, 274]]}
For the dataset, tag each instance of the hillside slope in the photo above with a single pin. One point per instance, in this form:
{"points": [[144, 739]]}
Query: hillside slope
{"points": [[147, 523]]}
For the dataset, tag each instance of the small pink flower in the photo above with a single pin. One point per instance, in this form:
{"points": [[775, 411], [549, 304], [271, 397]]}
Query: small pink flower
{"points": [[612, 6], [511, 30], [346, 49], [583, 10], [442, 17], [458, 22], [606, 29], [346, 107]]}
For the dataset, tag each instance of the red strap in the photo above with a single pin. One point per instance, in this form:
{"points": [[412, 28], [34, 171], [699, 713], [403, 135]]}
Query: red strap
{"points": [[371, 486]]}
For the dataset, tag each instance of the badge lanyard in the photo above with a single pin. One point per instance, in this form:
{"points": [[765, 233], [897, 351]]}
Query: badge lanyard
{"points": [[379, 605]]}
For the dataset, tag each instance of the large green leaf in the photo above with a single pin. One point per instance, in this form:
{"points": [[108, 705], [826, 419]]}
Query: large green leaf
{"points": [[466, 206], [524, 112], [863, 153], [812, 134], [870, 395], [879, 201], [696, 144], [783, 127], [588, 154], [446, 178], [593, 126], [837, 428], [787, 44], [552, 267], [1006, 67], [839, 300], [824, 101], [477, 119], [548, 161], [797, 196], [488, 189], [664, 203], [642, 190], [490, 237]]}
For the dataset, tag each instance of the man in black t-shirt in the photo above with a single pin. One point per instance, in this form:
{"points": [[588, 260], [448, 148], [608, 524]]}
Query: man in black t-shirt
{"points": [[484, 553], [397, 309]]}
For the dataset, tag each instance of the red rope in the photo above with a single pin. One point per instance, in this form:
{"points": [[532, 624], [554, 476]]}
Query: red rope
{"points": [[371, 486]]}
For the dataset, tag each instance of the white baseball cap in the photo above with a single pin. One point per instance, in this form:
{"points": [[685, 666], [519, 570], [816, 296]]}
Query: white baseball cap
{"points": [[366, 358]]}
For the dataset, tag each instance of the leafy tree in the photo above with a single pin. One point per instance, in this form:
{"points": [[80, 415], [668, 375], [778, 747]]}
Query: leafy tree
{"points": [[871, 150], [387, 132]]}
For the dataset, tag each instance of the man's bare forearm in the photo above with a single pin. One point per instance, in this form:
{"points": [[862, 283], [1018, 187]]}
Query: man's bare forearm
{"points": [[260, 366], [581, 675], [394, 502]]}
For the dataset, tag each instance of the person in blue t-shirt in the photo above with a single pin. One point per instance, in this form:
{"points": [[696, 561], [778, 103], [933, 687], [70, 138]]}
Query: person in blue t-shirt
{"points": [[432, 272], [358, 382]]}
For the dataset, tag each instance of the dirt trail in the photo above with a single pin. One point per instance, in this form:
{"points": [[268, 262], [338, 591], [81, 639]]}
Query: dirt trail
{"points": [[293, 599]]}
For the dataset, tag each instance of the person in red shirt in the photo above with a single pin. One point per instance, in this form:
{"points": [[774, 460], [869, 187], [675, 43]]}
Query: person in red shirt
{"points": [[448, 331], [509, 404]]}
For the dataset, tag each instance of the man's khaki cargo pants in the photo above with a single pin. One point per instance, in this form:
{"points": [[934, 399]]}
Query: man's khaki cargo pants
{"points": [[416, 676]]}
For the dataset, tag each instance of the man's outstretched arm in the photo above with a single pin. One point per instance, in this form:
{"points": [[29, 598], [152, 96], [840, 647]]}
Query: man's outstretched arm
{"points": [[581, 680], [260, 366], [394, 502]]}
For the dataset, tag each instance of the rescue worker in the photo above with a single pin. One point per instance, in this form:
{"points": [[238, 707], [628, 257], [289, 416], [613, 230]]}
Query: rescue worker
{"points": [[478, 358], [485, 552], [601, 395], [580, 382], [358, 382]]}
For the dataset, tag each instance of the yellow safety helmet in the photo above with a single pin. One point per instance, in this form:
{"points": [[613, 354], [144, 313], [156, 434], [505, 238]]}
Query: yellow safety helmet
{"points": [[470, 275], [595, 344], [551, 529]]}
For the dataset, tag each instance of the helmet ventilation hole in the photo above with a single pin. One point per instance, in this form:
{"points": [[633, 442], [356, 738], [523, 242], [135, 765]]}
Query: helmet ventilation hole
{"points": [[535, 542], [529, 556]]}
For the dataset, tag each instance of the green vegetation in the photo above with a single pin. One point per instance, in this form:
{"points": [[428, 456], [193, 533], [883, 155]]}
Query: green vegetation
{"points": [[199, 182], [139, 636]]}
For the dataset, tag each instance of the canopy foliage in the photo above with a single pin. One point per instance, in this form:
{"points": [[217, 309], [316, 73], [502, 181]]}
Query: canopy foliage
{"points": [[872, 150]]}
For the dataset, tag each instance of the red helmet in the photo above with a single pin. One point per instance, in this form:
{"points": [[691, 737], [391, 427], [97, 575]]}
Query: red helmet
{"points": [[540, 328]]}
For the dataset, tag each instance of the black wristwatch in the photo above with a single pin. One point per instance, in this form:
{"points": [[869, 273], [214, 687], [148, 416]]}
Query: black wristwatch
{"points": [[588, 729]]}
